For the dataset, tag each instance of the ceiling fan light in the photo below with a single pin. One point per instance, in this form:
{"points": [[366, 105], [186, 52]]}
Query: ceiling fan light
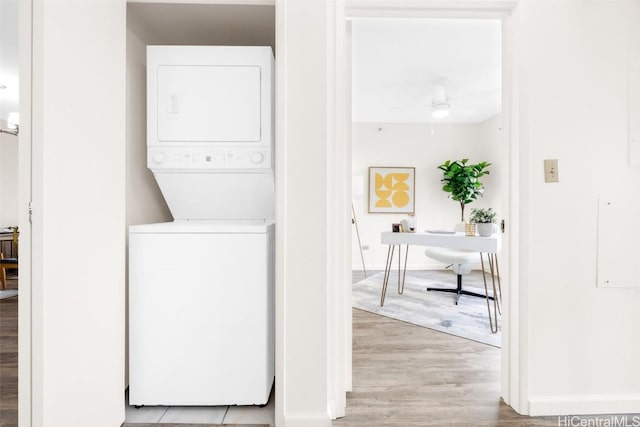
{"points": [[440, 111]]}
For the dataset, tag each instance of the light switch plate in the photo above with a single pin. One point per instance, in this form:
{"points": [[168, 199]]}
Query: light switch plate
{"points": [[551, 170]]}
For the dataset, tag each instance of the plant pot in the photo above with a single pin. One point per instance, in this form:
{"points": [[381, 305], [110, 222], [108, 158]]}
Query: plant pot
{"points": [[469, 229], [485, 229]]}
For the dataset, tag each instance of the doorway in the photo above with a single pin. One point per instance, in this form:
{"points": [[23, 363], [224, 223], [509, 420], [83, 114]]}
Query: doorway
{"points": [[373, 133]]}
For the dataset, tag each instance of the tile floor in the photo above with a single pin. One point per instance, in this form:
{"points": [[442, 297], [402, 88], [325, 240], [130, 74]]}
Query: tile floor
{"points": [[201, 414]]}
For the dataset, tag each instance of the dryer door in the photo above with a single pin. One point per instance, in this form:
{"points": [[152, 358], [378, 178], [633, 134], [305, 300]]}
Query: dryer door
{"points": [[208, 103]]}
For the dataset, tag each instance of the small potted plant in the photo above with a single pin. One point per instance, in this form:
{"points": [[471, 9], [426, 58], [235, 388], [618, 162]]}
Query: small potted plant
{"points": [[484, 219]]}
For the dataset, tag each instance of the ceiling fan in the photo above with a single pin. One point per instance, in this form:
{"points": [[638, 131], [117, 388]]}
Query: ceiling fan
{"points": [[442, 105]]}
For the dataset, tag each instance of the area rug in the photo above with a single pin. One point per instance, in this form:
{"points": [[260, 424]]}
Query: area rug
{"points": [[434, 310], [8, 293]]}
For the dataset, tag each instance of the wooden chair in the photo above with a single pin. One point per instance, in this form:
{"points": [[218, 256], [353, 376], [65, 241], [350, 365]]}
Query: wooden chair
{"points": [[4, 264], [8, 263]]}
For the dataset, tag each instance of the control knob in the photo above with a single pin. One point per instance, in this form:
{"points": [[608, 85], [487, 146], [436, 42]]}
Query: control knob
{"points": [[158, 157], [257, 157]]}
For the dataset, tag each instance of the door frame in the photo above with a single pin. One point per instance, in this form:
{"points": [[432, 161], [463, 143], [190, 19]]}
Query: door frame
{"points": [[25, 167], [514, 326]]}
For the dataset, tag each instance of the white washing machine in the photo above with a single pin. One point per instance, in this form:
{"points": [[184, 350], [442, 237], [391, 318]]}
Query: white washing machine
{"points": [[201, 318], [201, 288]]}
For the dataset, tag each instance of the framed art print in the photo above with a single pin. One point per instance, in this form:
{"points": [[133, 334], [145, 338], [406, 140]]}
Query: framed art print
{"points": [[392, 190]]}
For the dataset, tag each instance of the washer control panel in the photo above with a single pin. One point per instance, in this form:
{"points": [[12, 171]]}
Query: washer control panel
{"points": [[209, 158]]}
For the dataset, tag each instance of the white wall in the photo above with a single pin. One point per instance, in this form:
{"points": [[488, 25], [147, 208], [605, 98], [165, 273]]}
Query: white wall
{"points": [[414, 145], [583, 341], [77, 265], [8, 179], [144, 201]]}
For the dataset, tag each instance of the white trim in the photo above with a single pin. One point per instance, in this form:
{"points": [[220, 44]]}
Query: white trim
{"points": [[280, 131], [517, 393], [588, 404], [514, 324], [378, 6], [306, 420], [34, 299], [24, 197], [338, 213], [345, 87], [429, 8]]}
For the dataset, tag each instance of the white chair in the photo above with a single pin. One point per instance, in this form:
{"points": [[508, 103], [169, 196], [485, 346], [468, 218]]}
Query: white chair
{"points": [[461, 261]]}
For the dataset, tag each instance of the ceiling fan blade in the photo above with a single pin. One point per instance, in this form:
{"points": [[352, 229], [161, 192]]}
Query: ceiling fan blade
{"points": [[487, 92], [409, 107], [462, 110]]}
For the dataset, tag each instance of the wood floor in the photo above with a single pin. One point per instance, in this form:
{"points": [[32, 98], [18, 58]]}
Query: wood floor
{"points": [[9, 357], [407, 375]]}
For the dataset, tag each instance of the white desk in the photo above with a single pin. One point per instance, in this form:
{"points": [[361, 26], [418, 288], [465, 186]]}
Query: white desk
{"points": [[489, 246]]}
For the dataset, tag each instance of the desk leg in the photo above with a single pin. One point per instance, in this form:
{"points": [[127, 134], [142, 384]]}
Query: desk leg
{"points": [[404, 271], [493, 321], [387, 273], [493, 266]]}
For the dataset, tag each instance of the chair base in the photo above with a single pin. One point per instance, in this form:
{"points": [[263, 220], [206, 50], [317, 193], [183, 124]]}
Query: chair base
{"points": [[459, 291]]}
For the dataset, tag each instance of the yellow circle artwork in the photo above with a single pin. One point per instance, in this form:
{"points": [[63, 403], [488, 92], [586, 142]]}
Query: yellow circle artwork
{"points": [[392, 190]]}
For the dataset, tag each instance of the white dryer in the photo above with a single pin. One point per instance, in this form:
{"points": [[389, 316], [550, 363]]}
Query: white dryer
{"points": [[201, 288]]}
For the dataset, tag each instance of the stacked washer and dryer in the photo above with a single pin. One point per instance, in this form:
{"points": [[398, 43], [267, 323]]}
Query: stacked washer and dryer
{"points": [[201, 288]]}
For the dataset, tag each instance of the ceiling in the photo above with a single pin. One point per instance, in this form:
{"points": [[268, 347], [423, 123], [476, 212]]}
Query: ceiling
{"points": [[8, 57], [203, 24], [397, 61]]}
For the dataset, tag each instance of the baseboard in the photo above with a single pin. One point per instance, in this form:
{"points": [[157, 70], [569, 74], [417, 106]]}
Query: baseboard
{"points": [[307, 420], [588, 404]]}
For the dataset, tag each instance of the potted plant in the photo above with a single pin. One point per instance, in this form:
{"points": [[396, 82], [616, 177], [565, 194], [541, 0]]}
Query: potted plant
{"points": [[462, 180], [484, 219]]}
